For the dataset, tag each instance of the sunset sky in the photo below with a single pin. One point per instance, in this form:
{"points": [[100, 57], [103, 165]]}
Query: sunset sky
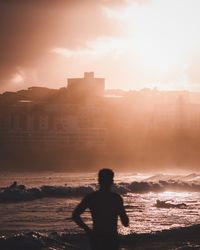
{"points": [[132, 43]]}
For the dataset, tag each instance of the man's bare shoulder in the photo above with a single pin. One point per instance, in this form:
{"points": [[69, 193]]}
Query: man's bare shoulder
{"points": [[116, 196], [91, 195]]}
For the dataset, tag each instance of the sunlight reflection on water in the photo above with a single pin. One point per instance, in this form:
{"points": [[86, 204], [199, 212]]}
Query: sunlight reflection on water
{"points": [[146, 217]]}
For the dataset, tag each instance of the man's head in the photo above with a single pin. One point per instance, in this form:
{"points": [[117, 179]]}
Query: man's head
{"points": [[105, 178]]}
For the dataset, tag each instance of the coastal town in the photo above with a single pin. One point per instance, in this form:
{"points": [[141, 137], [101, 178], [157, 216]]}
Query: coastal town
{"points": [[83, 121]]}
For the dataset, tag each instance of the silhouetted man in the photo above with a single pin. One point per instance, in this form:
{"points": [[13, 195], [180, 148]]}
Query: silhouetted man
{"points": [[105, 207]]}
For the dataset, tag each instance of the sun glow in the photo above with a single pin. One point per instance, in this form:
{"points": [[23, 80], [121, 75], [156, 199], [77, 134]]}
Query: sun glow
{"points": [[160, 35], [157, 46], [18, 78]]}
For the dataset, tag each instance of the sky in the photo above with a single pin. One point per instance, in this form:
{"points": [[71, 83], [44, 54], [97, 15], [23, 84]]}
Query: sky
{"points": [[134, 44]]}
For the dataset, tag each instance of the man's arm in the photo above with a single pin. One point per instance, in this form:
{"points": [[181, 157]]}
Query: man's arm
{"points": [[122, 214], [76, 215]]}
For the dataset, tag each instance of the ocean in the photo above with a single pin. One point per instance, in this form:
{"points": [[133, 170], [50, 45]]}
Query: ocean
{"points": [[38, 216]]}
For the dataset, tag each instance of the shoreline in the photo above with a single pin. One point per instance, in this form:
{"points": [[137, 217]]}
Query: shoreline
{"points": [[177, 238]]}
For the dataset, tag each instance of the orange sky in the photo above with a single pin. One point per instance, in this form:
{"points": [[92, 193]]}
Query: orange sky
{"points": [[132, 43]]}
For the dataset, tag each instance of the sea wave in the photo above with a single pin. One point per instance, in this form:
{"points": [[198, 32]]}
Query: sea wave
{"points": [[192, 177], [17, 193], [22, 193], [177, 238]]}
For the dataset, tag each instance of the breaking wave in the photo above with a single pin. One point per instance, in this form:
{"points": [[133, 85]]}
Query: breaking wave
{"points": [[21, 193], [177, 238], [16, 193]]}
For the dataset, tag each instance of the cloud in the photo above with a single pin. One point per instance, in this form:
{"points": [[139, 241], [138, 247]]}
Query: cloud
{"points": [[31, 28]]}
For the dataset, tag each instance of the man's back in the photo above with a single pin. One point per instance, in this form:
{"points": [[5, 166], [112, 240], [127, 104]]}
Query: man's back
{"points": [[105, 208]]}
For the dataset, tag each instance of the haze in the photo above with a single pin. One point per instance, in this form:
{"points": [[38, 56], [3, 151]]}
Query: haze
{"points": [[133, 44]]}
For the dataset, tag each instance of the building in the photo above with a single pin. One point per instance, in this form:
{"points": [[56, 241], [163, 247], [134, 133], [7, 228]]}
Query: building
{"points": [[87, 85]]}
